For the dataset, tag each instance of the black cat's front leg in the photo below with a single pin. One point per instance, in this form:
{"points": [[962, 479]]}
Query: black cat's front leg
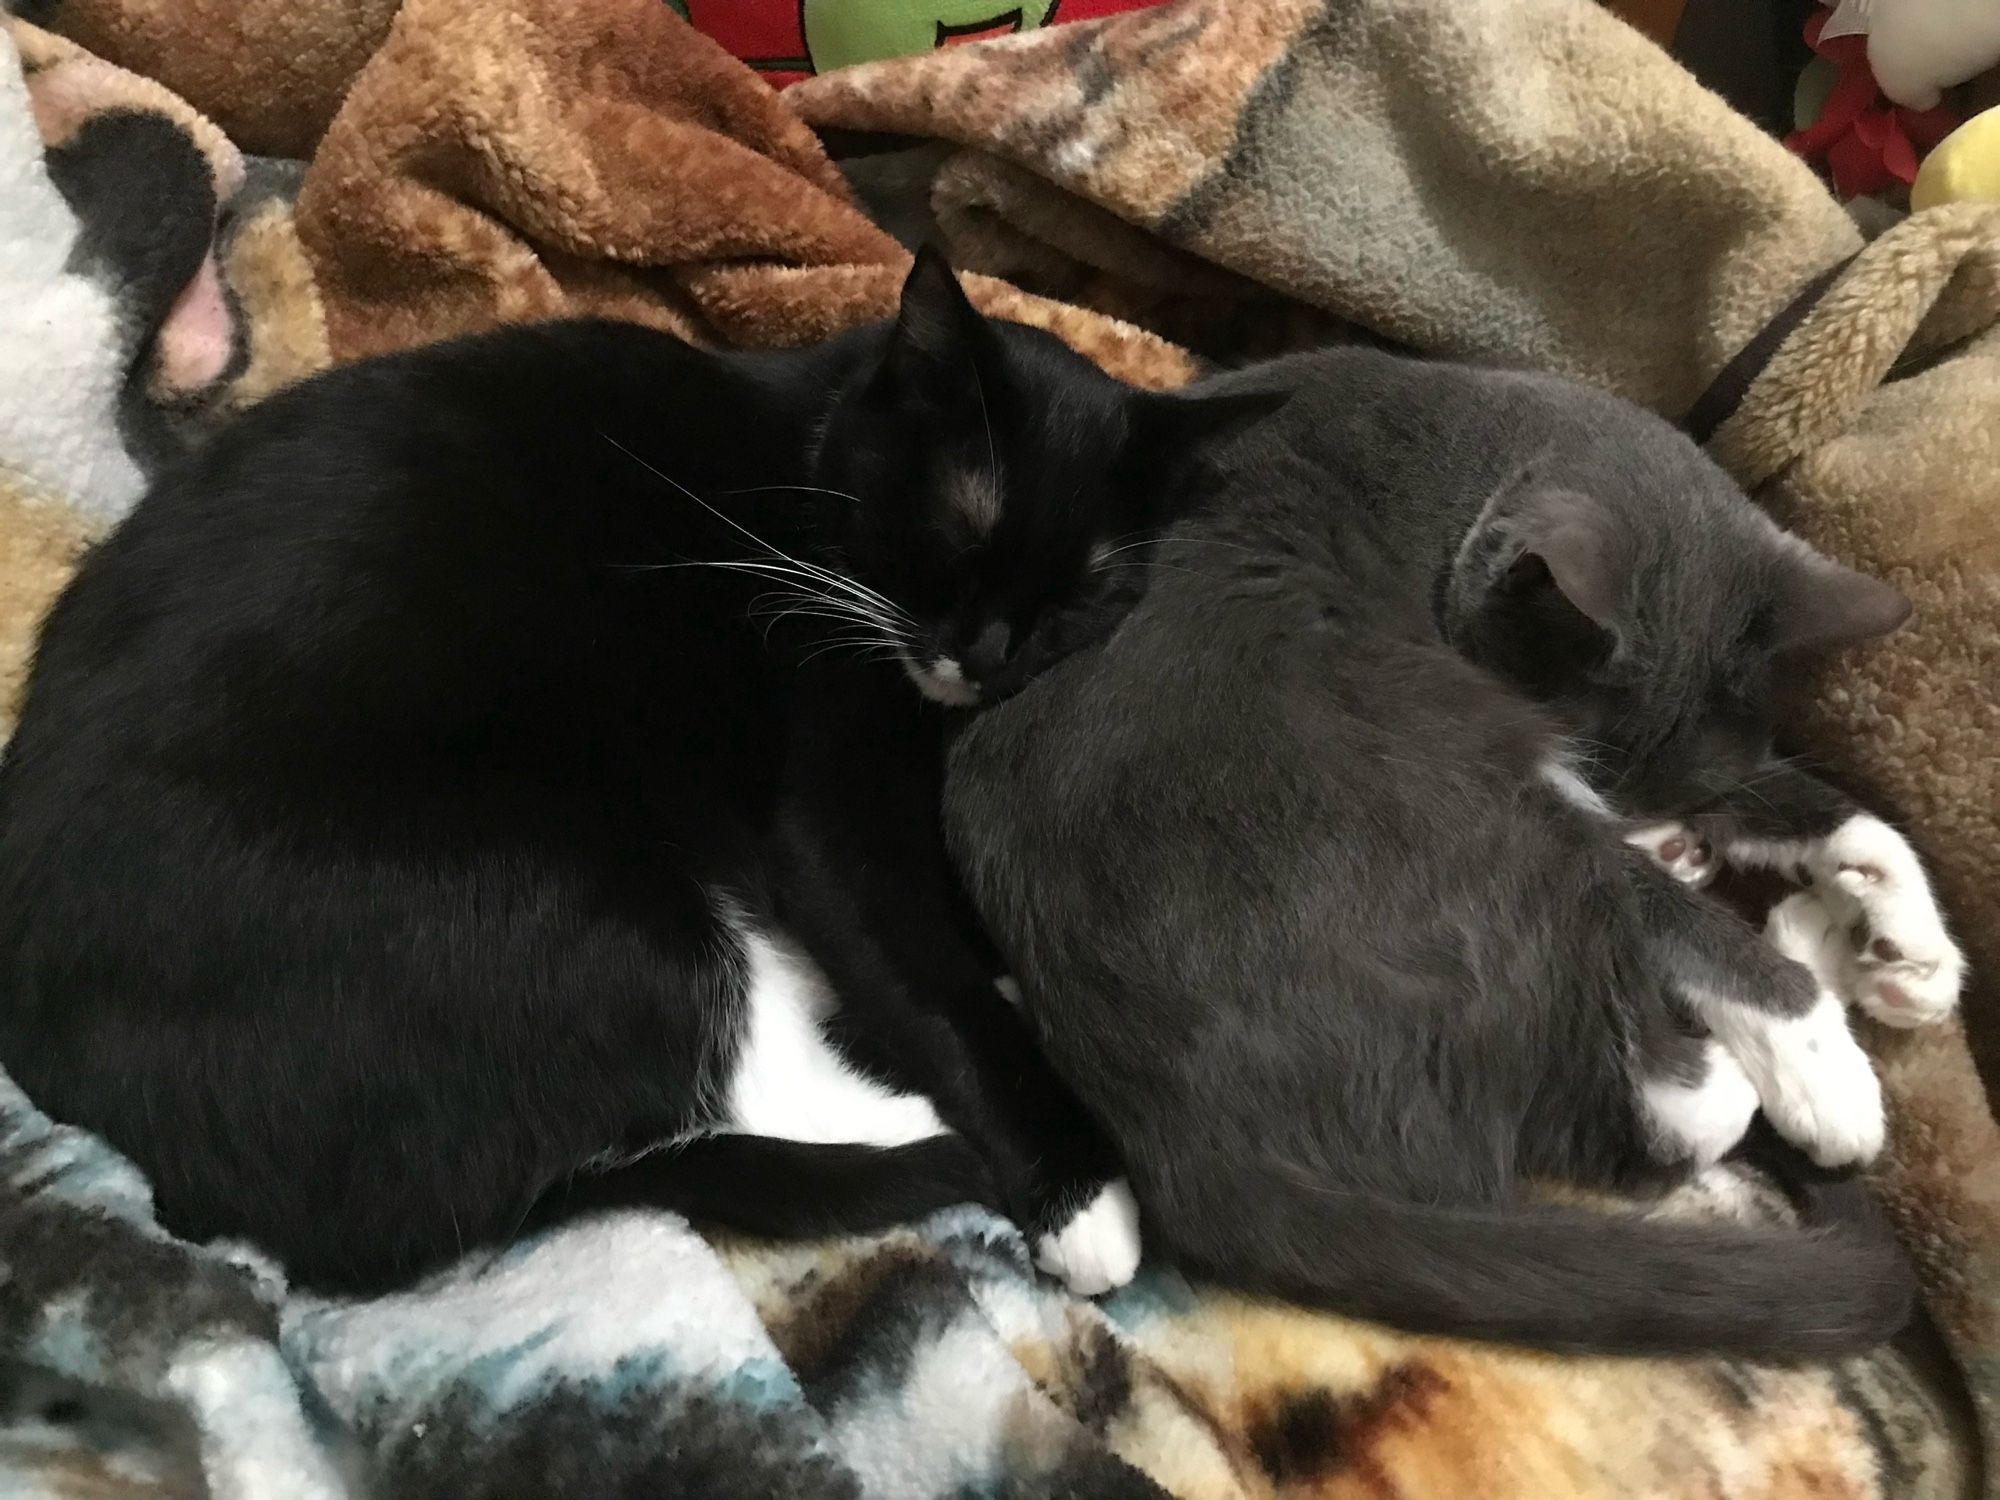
{"points": [[867, 886], [920, 1008], [1065, 1178], [971, 1053], [1771, 1008]]}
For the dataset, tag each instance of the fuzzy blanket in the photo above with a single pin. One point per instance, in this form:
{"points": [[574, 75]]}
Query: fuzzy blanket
{"points": [[1521, 179]]}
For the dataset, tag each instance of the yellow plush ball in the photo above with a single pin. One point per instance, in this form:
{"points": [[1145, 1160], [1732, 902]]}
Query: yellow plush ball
{"points": [[1965, 166]]}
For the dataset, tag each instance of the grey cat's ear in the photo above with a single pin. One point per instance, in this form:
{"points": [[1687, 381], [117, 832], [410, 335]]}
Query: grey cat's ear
{"points": [[937, 327], [1823, 605], [1588, 559]]}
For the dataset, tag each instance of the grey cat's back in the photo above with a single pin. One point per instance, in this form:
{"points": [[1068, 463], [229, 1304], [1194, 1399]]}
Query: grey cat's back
{"points": [[1190, 812], [1420, 442]]}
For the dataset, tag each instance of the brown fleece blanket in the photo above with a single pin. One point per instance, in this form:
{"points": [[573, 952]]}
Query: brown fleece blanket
{"points": [[1518, 179]]}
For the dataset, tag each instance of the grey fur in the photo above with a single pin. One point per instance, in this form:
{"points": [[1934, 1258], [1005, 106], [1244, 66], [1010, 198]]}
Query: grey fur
{"points": [[1298, 912]]}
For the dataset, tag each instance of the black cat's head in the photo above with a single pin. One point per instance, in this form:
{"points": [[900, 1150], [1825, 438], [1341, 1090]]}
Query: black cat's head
{"points": [[1004, 490], [1658, 612]]}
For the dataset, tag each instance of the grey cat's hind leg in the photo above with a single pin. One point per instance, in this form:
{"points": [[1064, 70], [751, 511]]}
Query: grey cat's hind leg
{"points": [[1695, 1099]]}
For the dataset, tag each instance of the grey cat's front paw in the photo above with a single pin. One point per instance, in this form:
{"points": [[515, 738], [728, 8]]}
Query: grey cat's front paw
{"points": [[1097, 1251], [1678, 850], [1816, 1084], [1903, 967]]}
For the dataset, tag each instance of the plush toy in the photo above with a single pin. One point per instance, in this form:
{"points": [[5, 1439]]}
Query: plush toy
{"points": [[1920, 48], [786, 40], [1868, 143], [1964, 167]]}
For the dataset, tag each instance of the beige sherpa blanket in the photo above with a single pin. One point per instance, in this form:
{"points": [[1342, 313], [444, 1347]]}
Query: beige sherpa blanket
{"points": [[1520, 179]]}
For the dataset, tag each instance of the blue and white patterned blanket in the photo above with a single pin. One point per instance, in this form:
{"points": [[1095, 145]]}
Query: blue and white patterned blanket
{"points": [[621, 1356]]}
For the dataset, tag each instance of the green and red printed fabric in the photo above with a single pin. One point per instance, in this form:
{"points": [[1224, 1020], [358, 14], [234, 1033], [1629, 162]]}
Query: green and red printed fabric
{"points": [[786, 40]]}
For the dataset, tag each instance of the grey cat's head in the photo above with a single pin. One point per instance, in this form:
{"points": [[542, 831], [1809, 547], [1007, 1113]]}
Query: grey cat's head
{"points": [[1630, 585]]}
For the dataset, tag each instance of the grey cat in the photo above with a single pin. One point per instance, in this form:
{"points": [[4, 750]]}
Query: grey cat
{"points": [[1350, 881]]}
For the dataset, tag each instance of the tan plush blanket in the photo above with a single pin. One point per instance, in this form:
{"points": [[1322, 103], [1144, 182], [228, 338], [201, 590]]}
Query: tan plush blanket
{"points": [[1519, 179]]}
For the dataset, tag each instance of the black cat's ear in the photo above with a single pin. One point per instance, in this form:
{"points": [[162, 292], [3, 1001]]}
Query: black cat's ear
{"points": [[1823, 605], [1169, 435], [938, 331], [1181, 422], [1586, 557]]}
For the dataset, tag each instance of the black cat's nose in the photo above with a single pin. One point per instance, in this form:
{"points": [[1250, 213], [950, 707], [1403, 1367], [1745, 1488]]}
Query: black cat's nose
{"points": [[987, 652]]}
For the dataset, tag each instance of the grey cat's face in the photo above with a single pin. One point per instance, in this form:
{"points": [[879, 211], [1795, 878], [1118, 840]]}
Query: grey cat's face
{"points": [[1659, 627]]}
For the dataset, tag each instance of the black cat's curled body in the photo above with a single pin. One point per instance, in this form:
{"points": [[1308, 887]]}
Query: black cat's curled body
{"points": [[411, 798]]}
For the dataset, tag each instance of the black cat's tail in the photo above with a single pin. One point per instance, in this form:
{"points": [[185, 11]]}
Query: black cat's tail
{"points": [[782, 1189], [1565, 1279]]}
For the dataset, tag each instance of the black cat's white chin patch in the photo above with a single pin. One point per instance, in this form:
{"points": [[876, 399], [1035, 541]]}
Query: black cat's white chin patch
{"points": [[942, 681]]}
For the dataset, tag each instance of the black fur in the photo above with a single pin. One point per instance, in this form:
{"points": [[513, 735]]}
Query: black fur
{"points": [[379, 780], [1298, 910]]}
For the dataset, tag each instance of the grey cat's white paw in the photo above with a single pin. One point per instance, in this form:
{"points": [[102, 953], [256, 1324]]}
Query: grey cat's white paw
{"points": [[1699, 1122], [1903, 968], [1678, 850], [1097, 1251], [1816, 1084], [1820, 1090]]}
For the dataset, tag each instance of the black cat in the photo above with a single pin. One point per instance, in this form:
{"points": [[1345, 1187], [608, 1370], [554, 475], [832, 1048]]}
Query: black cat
{"points": [[1312, 878], [415, 828]]}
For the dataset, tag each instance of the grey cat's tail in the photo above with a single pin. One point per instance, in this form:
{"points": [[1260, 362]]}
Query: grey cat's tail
{"points": [[1551, 1277]]}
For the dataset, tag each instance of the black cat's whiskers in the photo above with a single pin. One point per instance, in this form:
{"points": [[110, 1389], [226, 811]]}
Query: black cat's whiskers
{"points": [[811, 602], [1148, 563], [992, 457], [868, 649], [852, 599], [803, 489], [878, 633], [1154, 539]]}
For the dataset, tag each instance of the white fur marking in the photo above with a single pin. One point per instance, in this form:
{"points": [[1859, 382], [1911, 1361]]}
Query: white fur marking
{"points": [[1009, 989], [1701, 1121], [1097, 1251], [788, 1080], [1573, 789], [976, 498], [1813, 1079], [942, 681]]}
